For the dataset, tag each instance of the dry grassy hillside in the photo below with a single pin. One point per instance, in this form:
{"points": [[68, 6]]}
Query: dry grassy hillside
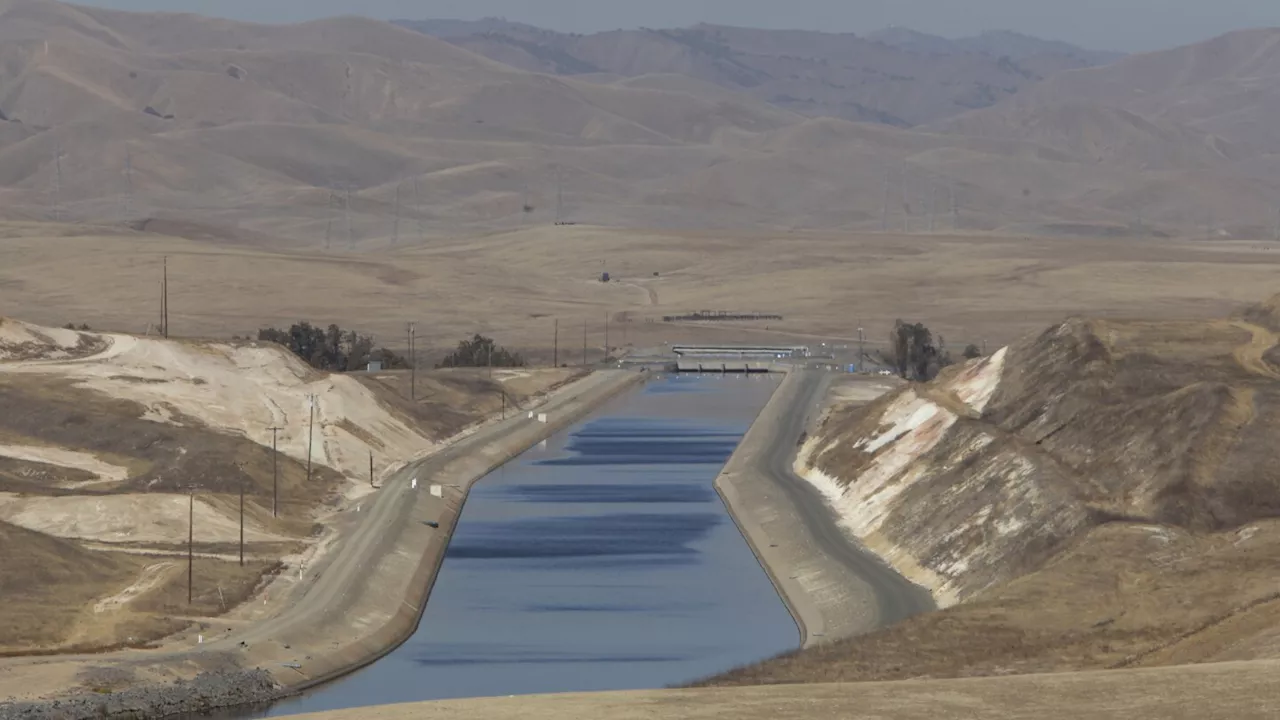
{"points": [[353, 134], [1099, 495], [887, 77]]}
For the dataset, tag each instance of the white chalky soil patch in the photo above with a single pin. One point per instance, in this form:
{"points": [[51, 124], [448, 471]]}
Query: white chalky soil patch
{"points": [[106, 472], [138, 518]]}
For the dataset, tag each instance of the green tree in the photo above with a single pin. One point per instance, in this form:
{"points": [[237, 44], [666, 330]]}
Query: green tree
{"points": [[481, 351]]}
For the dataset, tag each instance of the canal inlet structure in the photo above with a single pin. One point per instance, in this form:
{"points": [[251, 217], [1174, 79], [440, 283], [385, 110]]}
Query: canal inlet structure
{"points": [[600, 559]]}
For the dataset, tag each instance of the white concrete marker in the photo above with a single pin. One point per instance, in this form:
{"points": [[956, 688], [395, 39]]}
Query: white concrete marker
{"points": [[542, 417], [530, 414], [199, 639], [437, 491], [415, 483]]}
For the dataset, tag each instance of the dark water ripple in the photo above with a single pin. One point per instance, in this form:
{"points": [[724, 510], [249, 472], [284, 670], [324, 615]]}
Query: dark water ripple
{"points": [[616, 535], [611, 494]]}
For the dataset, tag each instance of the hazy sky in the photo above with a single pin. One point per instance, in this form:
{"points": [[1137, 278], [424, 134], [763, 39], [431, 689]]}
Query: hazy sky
{"points": [[1131, 25]]}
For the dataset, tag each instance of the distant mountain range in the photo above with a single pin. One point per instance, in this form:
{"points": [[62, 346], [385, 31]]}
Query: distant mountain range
{"points": [[324, 132], [896, 76]]}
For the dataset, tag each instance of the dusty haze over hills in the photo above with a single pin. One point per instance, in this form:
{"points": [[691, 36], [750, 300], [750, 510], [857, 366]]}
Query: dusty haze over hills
{"points": [[356, 133], [1131, 25]]}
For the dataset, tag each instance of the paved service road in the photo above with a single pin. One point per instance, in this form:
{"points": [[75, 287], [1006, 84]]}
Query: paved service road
{"points": [[833, 586], [896, 597]]}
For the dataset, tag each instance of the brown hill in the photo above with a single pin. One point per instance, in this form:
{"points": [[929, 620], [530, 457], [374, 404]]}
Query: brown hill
{"points": [[1227, 86], [883, 78], [258, 134], [1100, 495]]}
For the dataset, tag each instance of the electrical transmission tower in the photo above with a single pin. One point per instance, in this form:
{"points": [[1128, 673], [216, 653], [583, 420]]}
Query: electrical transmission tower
{"points": [[128, 183], [559, 196], [351, 238], [57, 182], [417, 199], [884, 207], [328, 212], [395, 228]]}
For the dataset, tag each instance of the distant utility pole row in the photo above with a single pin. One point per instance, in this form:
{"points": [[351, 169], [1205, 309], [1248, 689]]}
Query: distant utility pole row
{"points": [[929, 201]]}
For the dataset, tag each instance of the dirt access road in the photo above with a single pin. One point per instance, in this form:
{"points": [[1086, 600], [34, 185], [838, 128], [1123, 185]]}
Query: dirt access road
{"points": [[366, 596]]}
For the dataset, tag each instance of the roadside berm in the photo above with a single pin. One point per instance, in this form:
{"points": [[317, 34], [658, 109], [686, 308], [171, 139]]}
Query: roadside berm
{"points": [[1099, 495]]}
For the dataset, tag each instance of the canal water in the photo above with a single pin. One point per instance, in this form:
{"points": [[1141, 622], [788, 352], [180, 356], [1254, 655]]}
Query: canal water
{"points": [[602, 559]]}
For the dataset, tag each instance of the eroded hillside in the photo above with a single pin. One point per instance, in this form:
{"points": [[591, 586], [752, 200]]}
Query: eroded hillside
{"points": [[1088, 423], [114, 447], [1100, 495]]}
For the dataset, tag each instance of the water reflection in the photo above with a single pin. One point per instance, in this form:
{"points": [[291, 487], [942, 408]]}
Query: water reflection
{"points": [[603, 560]]}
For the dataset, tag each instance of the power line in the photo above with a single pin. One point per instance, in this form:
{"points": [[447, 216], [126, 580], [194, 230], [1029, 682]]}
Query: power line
{"points": [[275, 473]]}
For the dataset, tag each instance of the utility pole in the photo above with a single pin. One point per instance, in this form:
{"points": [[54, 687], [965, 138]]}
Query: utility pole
{"points": [[275, 474], [555, 352], [328, 217], [57, 182], [351, 238], [311, 436], [395, 229], [242, 518], [933, 201], [955, 209], [606, 335], [559, 196], [191, 537], [371, 469], [862, 355], [164, 297], [128, 182], [884, 206], [417, 198], [413, 365], [906, 200], [489, 359]]}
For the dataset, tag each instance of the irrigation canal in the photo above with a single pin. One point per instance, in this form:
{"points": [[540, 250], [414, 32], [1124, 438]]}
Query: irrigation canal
{"points": [[600, 560]]}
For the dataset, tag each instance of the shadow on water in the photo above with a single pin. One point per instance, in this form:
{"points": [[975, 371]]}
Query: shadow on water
{"points": [[576, 537], [626, 494], [600, 560]]}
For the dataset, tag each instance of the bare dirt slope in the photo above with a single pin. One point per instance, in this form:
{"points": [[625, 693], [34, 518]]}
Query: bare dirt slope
{"points": [[1095, 496], [117, 446]]}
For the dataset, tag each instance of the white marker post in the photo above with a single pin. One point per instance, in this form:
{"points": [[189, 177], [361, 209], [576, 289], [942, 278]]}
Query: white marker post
{"points": [[437, 491], [542, 418]]}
